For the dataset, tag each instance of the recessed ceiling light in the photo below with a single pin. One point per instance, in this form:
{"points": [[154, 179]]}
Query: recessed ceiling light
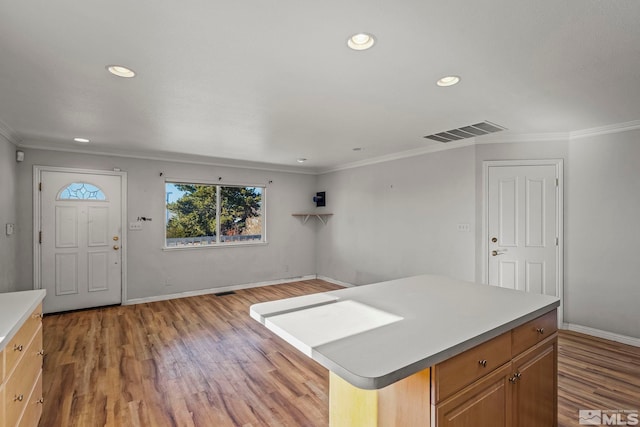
{"points": [[301, 160], [361, 41], [121, 71], [448, 81], [83, 140]]}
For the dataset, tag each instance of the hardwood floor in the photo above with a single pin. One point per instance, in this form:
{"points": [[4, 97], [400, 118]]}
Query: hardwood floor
{"points": [[202, 361], [199, 361], [595, 374]]}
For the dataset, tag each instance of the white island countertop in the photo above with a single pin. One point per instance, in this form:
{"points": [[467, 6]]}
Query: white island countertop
{"points": [[375, 335], [15, 308]]}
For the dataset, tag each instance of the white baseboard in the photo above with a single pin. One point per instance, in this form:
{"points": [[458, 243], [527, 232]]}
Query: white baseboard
{"points": [[216, 290], [603, 334], [335, 282]]}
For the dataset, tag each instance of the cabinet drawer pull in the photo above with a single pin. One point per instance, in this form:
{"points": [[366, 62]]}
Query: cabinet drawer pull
{"points": [[38, 316], [40, 353], [19, 398], [40, 401], [540, 330], [17, 347], [483, 363]]}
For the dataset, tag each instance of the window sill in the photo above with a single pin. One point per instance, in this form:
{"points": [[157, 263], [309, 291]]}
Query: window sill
{"points": [[217, 246]]}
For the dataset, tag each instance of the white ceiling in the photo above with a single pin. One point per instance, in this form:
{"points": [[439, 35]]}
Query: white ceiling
{"points": [[271, 81]]}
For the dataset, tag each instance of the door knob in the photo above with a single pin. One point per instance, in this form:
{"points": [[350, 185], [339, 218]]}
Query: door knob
{"points": [[116, 247]]}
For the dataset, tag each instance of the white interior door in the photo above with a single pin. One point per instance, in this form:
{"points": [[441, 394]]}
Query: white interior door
{"points": [[80, 240], [524, 228]]}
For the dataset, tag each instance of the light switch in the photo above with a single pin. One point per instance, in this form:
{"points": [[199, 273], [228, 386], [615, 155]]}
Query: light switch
{"points": [[10, 229], [135, 226], [464, 228]]}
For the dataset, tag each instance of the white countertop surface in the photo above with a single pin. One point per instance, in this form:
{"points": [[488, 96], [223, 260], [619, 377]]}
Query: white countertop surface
{"points": [[15, 308], [375, 335]]}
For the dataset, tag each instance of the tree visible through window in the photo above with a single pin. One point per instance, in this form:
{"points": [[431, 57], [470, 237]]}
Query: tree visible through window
{"points": [[194, 216]]}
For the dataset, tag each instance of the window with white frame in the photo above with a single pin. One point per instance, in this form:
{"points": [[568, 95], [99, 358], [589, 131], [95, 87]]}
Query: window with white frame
{"points": [[208, 214]]}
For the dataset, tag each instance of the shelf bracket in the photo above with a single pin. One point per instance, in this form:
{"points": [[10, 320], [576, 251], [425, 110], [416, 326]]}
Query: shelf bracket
{"points": [[321, 216]]}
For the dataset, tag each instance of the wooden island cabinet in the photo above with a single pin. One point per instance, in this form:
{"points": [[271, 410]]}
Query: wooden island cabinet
{"points": [[519, 391], [428, 351]]}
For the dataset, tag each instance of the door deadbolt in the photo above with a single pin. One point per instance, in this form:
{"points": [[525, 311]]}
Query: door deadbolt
{"points": [[494, 239], [116, 238]]}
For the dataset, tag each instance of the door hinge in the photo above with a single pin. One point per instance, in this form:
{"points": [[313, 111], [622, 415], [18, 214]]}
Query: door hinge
{"points": [[39, 186], [557, 182], [557, 241], [40, 237]]}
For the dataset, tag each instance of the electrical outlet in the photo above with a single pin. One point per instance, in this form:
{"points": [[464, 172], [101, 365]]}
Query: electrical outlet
{"points": [[464, 228], [135, 226], [10, 229]]}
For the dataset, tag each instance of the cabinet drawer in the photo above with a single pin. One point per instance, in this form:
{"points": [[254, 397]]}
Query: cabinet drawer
{"points": [[33, 411], [534, 331], [20, 382], [459, 371], [22, 338], [1, 371]]}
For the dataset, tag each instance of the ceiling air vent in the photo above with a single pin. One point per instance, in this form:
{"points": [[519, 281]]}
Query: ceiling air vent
{"points": [[479, 129]]}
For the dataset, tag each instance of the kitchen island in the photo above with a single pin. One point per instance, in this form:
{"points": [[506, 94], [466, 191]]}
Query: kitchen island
{"points": [[428, 351]]}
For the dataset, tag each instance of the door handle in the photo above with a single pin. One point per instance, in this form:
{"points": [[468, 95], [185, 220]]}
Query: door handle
{"points": [[116, 247], [496, 253]]}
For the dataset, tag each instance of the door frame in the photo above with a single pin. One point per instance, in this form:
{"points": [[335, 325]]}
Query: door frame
{"points": [[37, 220], [559, 165]]}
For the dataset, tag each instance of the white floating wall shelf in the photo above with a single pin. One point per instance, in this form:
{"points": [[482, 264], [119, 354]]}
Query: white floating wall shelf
{"points": [[321, 216]]}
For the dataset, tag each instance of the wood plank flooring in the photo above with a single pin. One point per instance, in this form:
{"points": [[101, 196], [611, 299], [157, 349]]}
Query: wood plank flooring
{"points": [[595, 374], [202, 361], [199, 361]]}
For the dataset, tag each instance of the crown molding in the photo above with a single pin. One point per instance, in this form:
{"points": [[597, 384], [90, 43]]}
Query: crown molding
{"points": [[499, 138], [8, 133], [604, 130], [401, 155], [523, 137], [173, 157]]}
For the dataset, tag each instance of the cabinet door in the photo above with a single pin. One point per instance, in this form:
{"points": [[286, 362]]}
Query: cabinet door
{"points": [[535, 402], [487, 402]]}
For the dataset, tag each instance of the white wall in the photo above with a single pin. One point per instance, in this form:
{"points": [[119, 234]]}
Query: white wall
{"points": [[154, 272], [399, 218], [8, 214], [603, 232], [390, 220]]}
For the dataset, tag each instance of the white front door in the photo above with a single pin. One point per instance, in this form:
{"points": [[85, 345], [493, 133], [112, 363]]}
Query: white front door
{"points": [[523, 224], [80, 240]]}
